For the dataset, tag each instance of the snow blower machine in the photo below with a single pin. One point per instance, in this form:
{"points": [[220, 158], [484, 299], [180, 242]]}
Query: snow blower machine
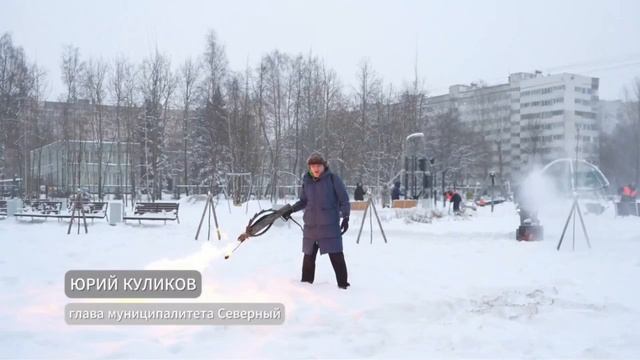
{"points": [[530, 228]]}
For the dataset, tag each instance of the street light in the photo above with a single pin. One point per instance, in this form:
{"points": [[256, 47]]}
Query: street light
{"points": [[414, 149], [444, 198], [434, 180], [492, 174]]}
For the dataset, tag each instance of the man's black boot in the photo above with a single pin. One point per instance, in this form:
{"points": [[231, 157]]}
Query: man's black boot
{"points": [[340, 268], [308, 268]]}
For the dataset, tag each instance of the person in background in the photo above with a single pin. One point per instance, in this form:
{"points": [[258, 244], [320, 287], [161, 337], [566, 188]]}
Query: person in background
{"points": [[456, 199], [628, 200], [385, 195], [358, 194], [395, 192], [447, 195]]}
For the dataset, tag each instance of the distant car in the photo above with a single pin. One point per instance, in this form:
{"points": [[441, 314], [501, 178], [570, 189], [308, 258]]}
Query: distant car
{"points": [[483, 201]]}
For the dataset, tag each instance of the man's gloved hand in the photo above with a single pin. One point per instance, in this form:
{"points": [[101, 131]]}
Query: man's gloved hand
{"points": [[287, 214], [345, 225]]}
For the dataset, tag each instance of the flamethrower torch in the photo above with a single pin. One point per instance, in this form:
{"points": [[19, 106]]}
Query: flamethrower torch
{"points": [[261, 222]]}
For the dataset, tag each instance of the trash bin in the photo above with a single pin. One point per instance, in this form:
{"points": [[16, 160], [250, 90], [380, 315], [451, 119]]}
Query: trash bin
{"points": [[115, 212], [13, 206]]}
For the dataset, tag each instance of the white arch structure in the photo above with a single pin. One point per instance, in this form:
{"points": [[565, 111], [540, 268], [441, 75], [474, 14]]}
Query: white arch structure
{"points": [[581, 175]]}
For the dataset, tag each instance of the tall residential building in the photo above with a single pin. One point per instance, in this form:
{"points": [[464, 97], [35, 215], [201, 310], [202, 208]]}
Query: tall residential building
{"points": [[531, 119]]}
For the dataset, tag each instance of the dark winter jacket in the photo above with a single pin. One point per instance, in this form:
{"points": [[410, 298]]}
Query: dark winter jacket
{"points": [[324, 201], [456, 199], [395, 192], [358, 195]]}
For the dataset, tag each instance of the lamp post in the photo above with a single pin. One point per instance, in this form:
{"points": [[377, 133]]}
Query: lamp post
{"points": [[492, 174], [444, 198], [414, 149], [432, 162]]}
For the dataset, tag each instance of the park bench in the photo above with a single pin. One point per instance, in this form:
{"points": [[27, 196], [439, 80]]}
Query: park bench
{"points": [[92, 210], [3, 208], [160, 211], [41, 209]]}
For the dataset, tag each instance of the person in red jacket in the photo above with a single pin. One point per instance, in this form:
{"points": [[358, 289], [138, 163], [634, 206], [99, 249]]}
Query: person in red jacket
{"points": [[629, 193], [628, 200]]}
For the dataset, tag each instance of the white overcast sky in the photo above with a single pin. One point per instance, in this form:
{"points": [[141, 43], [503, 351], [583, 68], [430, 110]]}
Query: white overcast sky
{"points": [[455, 41]]}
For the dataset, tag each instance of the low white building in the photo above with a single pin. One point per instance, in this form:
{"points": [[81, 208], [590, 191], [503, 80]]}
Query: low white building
{"points": [[60, 164]]}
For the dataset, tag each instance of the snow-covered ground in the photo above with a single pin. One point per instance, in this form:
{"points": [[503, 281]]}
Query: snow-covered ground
{"points": [[452, 288]]}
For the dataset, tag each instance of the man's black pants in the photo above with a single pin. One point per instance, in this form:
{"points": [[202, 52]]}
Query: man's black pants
{"points": [[337, 261]]}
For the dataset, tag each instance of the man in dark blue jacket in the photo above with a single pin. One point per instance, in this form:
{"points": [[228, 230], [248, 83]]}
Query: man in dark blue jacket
{"points": [[395, 192], [324, 198]]}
